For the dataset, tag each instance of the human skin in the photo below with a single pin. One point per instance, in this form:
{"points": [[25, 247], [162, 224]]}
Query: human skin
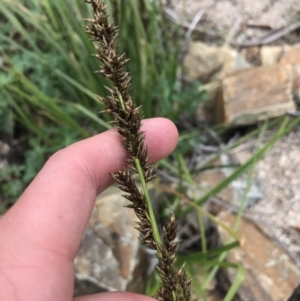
{"points": [[41, 233]]}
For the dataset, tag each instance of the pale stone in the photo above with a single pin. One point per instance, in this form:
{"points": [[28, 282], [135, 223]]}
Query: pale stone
{"points": [[270, 274], [291, 56], [207, 63], [271, 55], [232, 193], [110, 257], [252, 95]]}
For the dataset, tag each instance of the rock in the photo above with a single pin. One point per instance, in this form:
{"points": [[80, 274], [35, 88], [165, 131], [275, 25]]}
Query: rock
{"points": [[270, 274], [210, 178], [252, 95], [277, 175], [252, 55], [232, 193], [288, 56], [110, 257], [207, 63], [295, 69], [284, 55], [291, 56], [271, 55], [295, 295]]}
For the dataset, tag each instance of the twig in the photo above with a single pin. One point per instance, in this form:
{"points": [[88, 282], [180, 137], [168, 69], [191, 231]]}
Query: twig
{"points": [[293, 113], [173, 16], [269, 38], [189, 32]]}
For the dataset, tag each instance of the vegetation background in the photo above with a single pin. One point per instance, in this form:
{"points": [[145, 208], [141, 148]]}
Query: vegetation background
{"points": [[47, 101]]}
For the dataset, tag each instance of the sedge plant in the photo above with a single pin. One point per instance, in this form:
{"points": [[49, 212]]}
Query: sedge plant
{"points": [[127, 118]]}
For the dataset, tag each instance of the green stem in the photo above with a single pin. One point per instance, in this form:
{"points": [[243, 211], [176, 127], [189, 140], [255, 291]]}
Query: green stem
{"points": [[144, 187], [121, 99], [150, 208]]}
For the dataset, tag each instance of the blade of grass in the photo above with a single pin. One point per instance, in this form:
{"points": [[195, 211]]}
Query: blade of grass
{"points": [[285, 128], [18, 26], [86, 112], [238, 142], [44, 102], [239, 279], [236, 223], [198, 257], [57, 71], [23, 118], [198, 208]]}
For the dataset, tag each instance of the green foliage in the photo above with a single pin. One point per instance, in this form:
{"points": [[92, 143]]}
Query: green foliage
{"points": [[7, 175], [47, 75], [183, 99], [49, 45]]}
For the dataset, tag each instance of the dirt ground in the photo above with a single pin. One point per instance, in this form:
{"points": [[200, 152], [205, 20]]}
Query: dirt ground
{"points": [[226, 13], [228, 16]]}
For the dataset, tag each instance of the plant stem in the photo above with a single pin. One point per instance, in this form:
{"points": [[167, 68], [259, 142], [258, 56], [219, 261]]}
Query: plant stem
{"points": [[149, 204], [144, 188]]}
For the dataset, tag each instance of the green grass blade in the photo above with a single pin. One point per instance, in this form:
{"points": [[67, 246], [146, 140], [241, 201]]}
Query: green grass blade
{"points": [[23, 118], [198, 257], [239, 279], [87, 113], [284, 129]]}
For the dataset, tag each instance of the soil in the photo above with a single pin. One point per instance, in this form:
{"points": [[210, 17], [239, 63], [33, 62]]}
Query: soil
{"points": [[239, 19]]}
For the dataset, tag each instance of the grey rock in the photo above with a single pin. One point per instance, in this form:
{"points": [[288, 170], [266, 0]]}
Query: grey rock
{"points": [[110, 257]]}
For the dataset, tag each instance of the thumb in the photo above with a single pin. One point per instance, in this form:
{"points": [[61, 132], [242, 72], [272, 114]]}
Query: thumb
{"points": [[115, 296]]}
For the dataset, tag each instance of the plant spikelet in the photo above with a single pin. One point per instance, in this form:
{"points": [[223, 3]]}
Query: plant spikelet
{"points": [[127, 118]]}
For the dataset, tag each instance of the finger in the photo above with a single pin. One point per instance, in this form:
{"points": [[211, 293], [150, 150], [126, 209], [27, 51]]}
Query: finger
{"points": [[54, 210], [114, 296]]}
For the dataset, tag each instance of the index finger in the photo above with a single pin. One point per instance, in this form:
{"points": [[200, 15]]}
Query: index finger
{"points": [[54, 210]]}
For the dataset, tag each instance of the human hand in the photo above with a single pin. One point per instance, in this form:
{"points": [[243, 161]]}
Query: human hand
{"points": [[40, 234]]}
